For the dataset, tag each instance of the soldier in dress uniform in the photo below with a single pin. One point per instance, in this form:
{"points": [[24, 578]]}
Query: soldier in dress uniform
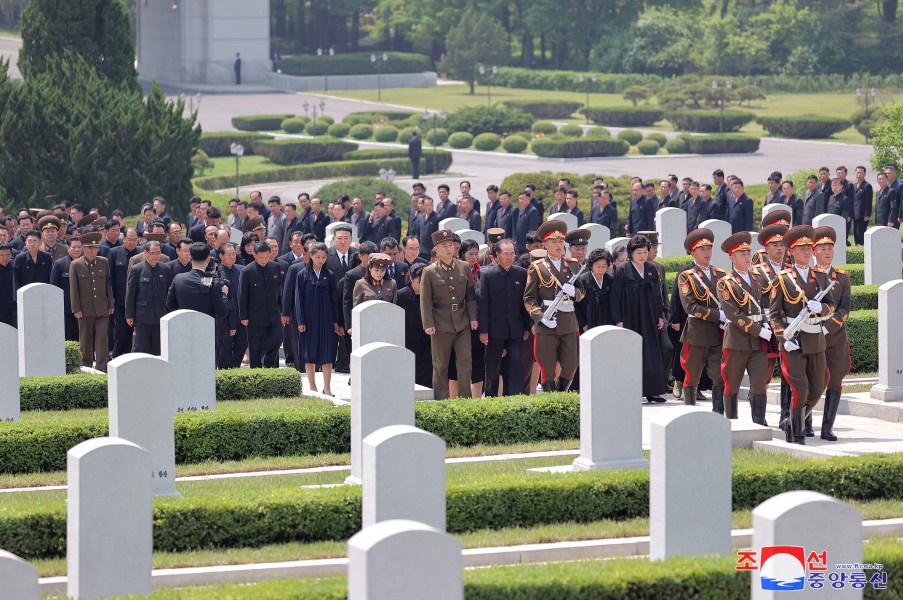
{"points": [[837, 347], [375, 285], [578, 242], [778, 216], [145, 298], [803, 356], [771, 238], [50, 228], [555, 340], [701, 337], [91, 294], [448, 307], [747, 328]]}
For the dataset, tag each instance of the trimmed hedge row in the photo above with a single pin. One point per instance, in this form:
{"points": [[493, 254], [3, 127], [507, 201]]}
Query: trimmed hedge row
{"points": [[804, 126], [293, 152], [436, 162], [721, 143], [578, 148], [354, 63], [545, 109], [624, 116], [195, 523], [73, 358], [709, 121], [90, 391], [259, 122], [217, 144]]}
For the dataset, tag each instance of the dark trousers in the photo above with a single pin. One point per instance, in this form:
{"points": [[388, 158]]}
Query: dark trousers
{"points": [[343, 353], [232, 348], [288, 346], [147, 338], [122, 333], [263, 345], [415, 168], [515, 371], [71, 327], [859, 227]]}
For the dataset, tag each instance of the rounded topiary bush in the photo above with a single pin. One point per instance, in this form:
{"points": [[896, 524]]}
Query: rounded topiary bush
{"points": [[436, 137], [631, 136], [676, 146], [487, 142], [597, 133], [515, 144], [460, 139], [361, 131], [648, 147], [326, 118], [544, 128], [404, 136], [386, 133], [317, 127], [294, 125], [657, 137], [571, 130], [338, 130]]}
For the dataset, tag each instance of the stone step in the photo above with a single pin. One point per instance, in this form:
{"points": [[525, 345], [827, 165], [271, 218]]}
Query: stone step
{"points": [[858, 404]]}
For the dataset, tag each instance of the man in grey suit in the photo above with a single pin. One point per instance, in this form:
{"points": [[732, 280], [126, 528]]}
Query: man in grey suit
{"points": [[814, 202]]}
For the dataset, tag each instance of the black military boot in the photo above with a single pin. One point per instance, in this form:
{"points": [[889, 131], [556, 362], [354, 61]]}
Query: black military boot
{"points": [[549, 386], [730, 406], [718, 400], [690, 395], [564, 384], [832, 403], [758, 405], [796, 425], [809, 431], [786, 400]]}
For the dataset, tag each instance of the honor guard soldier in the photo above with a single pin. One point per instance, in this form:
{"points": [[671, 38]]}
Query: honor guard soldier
{"points": [[793, 293], [837, 347], [91, 295], [555, 340], [747, 328], [448, 308], [701, 337], [778, 216], [771, 238]]}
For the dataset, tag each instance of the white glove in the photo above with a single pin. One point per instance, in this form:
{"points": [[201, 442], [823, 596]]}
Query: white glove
{"points": [[765, 334], [824, 330], [814, 306], [790, 346], [569, 289], [722, 317], [766, 325], [550, 323]]}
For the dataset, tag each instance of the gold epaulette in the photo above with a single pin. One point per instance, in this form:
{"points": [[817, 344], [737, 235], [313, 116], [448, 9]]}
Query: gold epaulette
{"points": [[841, 271], [819, 269]]}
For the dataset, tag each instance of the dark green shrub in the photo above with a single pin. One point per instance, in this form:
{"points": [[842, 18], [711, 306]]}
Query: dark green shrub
{"points": [[804, 126], [328, 119], [545, 109], [515, 144], [544, 128], [293, 152], [354, 63], [245, 384], [318, 127], [493, 119], [569, 148], [361, 131], [598, 132], [404, 136], [721, 143], [73, 358], [436, 137], [386, 133], [338, 130], [460, 139], [571, 130], [709, 121], [676, 146], [259, 122], [657, 137], [648, 147], [357, 118], [487, 142], [217, 144], [625, 116], [294, 125], [631, 136], [430, 162]]}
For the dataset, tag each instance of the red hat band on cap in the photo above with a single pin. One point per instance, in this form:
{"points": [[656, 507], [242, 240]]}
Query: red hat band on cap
{"points": [[738, 247], [701, 243]]}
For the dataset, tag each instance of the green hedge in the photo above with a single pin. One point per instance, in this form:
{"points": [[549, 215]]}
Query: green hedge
{"points": [[338, 130], [488, 119], [217, 144], [625, 116], [545, 109], [572, 148], [571, 130], [437, 161], [460, 139], [73, 358], [648, 147], [721, 143], [295, 125], [631, 136], [804, 126], [386, 133], [676, 146], [544, 128], [356, 63], [709, 121], [318, 127], [487, 142], [515, 144], [436, 137], [293, 152], [259, 122]]}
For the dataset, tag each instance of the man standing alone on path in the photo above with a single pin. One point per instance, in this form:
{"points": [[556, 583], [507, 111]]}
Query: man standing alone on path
{"points": [[415, 150], [237, 68]]}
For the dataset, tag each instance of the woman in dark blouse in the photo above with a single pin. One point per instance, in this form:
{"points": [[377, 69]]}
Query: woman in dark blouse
{"points": [[595, 310]]}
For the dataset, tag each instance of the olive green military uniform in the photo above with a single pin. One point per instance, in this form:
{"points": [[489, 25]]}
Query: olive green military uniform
{"points": [[366, 289], [92, 295]]}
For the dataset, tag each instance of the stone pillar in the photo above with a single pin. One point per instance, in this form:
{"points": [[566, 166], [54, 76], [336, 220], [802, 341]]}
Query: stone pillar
{"points": [[805, 522], [689, 484], [42, 343], [883, 255], [671, 225], [188, 343], [722, 231], [377, 399], [600, 236], [404, 560], [611, 393], [109, 537], [568, 218], [142, 414], [453, 223], [10, 404], [470, 234], [20, 578], [890, 344], [840, 228], [377, 321], [404, 476]]}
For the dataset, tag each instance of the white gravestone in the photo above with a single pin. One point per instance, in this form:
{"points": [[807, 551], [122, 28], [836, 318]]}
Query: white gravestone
{"points": [[187, 341], [839, 224], [42, 343], [109, 520], [235, 236], [615, 243], [404, 476], [377, 399], [883, 255], [568, 218], [671, 225], [377, 321], [722, 231], [10, 402], [142, 414], [600, 235], [404, 560], [890, 344], [811, 523], [689, 499], [470, 234], [454, 223], [19, 578]]}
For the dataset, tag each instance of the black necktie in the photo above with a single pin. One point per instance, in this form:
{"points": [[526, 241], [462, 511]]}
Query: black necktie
{"points": [[344, 263]]}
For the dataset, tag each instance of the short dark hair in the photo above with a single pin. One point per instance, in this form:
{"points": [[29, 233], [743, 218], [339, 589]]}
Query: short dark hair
{"points": [[188, 241], [200, 251], [368, 247], [23, 218], [492, 188], [318, 247], [414, 272], [33, 233], [573, 193], [261, 246], [443, 186], [74, 238], [597, 255], [648, 185], [388, 242], [275, 199], [718, 173], [811, 178], [788, 182], [343, 227], [636, 242], [7, 246], [222, 249], [408, 238], [214, 213]]}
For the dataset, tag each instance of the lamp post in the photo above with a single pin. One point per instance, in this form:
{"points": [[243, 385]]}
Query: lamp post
{"points": [[325, 58], [493, 71], [727, 86], [237, 151], [860, 96], [379, 63], [436, 116], [306, 107], [592, 79]]}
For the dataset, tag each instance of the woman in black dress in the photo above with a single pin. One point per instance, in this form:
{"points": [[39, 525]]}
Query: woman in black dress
{"points": [[317, 316], [636, 303], [595, 310], [246, 253], [415, 338]]}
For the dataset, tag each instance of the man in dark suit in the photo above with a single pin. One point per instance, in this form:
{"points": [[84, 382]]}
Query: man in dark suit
{"points": [[695, 207], [862, 205], [31, 265], [775, 195], [358, 216], [426, 224], [119, 268], [886, 203], [814, 202], [740, 210], [718, 207], [504, 322], [145, 299], [394, 221], [573, 208], [642, 211], [59, 276], [848, 192], [7, 292], [415, 150], [397, 269], [291, 224], [492, 207], [195, 290], [445, 207], [467, 212], [296, 249], [793, 202], [377, 225], [259, 307], [351, 277], [196, 233], [184, 260], [318, 219], [527, 220], [503, 217], [234, 335]]}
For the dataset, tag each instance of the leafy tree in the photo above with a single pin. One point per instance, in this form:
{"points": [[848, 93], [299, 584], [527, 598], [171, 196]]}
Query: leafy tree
{"points": [[477, 39], [748, 93], [635, 93], [887, 138], [97, 30]]}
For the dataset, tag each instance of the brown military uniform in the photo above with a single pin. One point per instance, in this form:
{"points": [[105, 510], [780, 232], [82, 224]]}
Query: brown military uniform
{"points": [[92, 295], [448, 303], [701, 338], [56, 251], [837, 347], [366, 289]]}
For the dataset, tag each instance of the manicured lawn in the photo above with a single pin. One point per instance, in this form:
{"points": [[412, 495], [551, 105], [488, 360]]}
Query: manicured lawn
{"points": [[225, 165]]}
